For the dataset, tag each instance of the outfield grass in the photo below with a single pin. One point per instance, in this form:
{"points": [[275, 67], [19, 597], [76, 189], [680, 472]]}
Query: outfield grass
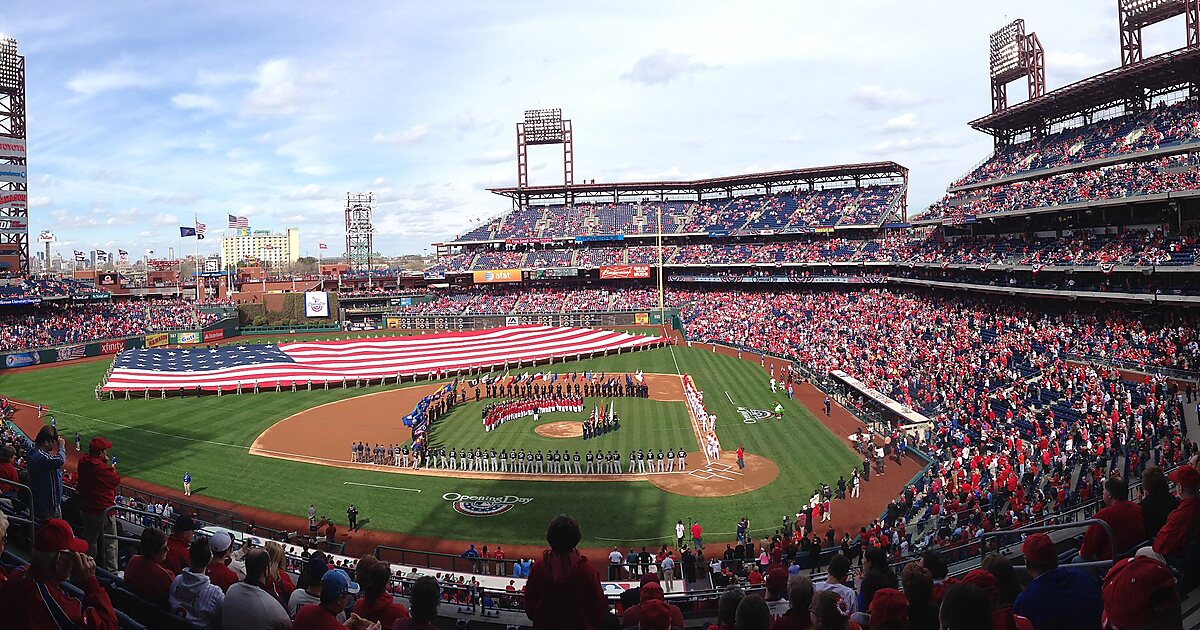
{"points": [[156, 440]]}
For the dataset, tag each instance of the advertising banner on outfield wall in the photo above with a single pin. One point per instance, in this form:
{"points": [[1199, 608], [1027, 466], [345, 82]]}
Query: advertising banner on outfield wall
{"points": [[157, 340], [489, 276], [13, 173], [21, 359], [12, 148], [68, 353], [214, 335], [616, 272], [185, 338], [316, 304]]}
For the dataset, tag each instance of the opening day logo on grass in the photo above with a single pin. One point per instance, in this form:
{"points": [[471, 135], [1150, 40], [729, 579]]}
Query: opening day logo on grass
{"points": [[483, 506]]}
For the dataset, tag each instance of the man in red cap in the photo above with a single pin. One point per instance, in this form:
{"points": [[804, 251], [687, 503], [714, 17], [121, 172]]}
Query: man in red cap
{"points": [[651, 592], [1172, 540], [98, 482], [1140, 592], [1059, 598], [32, 597], [889, 610], [1122, 515]]}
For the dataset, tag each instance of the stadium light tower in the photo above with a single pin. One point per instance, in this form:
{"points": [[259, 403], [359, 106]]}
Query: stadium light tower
{"points": [[360, 231], [1134, 15], [14, 188], [545, 126], [1013, 55]]}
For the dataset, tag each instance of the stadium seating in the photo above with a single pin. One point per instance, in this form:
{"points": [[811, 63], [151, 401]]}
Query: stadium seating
{"points": [[1117, 181], [795, 211], [1163, 126], [53, 325]]}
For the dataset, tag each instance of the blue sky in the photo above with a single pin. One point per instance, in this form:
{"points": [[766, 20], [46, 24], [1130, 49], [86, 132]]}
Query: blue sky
{"points": [[142, 115]]}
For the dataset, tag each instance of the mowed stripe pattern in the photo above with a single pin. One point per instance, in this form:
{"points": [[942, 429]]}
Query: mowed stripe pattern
{"points": [[334, 361]]}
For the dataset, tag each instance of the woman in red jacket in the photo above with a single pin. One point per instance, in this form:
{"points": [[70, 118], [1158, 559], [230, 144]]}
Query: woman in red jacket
{"points": [[377, 604], [563, 590]]}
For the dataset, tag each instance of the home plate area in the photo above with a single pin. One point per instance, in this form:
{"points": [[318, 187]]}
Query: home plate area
{"points": [[717, 470], [721, 478]]}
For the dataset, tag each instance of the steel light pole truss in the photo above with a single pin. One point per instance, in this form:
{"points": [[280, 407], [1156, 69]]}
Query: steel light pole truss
{"points": [[545, 126], [360, 231], [14, 187], [1135, 15]]}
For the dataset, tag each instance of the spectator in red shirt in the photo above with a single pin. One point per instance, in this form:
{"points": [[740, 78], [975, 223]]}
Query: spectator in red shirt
{"points": [[800, 595], [218, 570], [8, 472], [145, 573], [377, 603], [651, 591], [1122, 515], [98, 482], [32, 598], [336, 589], [1172, 540], [182, 532], [563, 590]]}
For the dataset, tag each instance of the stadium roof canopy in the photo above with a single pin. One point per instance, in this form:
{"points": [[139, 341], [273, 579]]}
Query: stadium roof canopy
{"points": [[846, 174], [1137, 82]]}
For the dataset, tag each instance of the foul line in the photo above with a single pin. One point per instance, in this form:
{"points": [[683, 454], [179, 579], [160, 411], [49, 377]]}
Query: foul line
{"points": [[730, 399], [144, 430], [371, 485]]}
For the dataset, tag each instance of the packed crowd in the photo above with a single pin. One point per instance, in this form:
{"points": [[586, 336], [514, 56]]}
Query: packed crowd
{"points": [[1136, 247], [1162, 126], [1126, 179], [795, 210], [31, 288], [52, 325]]}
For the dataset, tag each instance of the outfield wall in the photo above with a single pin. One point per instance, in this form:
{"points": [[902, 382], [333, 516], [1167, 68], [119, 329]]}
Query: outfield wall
{"points": [[70, 352], [399, 321]]}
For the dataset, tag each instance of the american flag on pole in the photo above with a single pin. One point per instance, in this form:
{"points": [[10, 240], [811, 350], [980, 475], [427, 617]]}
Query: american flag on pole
{"points": [[322, 246], [239, 222], [350, 359], [200, 227]]}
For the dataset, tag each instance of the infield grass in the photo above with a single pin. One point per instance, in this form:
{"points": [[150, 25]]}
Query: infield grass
{"points": [[157, 440]]}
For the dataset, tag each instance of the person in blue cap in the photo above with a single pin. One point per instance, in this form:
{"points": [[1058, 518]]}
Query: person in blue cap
{"points": [[336, 589]]}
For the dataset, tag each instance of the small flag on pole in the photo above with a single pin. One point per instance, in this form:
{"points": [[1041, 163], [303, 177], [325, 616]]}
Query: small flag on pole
{"points": [[239, 222], [322, 246], [185, 232], [200, 227]]}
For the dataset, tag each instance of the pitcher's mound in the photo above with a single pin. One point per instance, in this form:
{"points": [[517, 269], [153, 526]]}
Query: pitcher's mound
{"points": [[721, 478], [560, 429]]}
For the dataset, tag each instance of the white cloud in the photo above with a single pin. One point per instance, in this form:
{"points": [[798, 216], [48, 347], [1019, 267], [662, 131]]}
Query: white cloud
{"points": [[875, 97], [40, 202], [491, 157], [309, 192], [194, 101], [908, 145], [413, 135], [91, 82], [903, 122], [280, 90], [663, 67], [1077, 64], [163, 218]]}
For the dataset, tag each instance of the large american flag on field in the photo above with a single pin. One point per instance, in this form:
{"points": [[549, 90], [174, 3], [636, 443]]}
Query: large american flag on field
{"points": [[333, 361]]}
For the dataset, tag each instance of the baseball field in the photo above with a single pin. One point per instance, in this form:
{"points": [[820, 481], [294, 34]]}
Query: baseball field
{"points": [[211, 437]]}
